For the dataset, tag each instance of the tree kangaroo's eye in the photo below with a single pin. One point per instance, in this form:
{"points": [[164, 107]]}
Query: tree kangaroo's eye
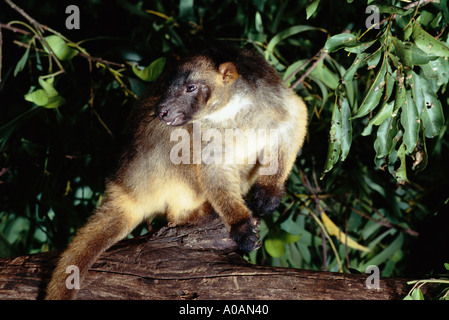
{"points": [[191, 88]]}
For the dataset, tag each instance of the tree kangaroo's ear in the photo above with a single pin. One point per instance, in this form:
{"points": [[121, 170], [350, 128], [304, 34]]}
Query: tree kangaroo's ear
{"points": [[229, 72]]}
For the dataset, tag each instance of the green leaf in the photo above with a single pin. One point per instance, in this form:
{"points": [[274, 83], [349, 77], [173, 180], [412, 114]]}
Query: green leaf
{"points": [[311, 8], [386, 109], [361, 47], [21, 64], [275, 247], [428, 106], [386, 253], [401, 94], [446, 265], [283, 35], [339, 41], [401, 173], [335, 137], [290, 238], [419, 57], [393, 9], [346, 138], [325, 75], [385, 112], [425, 18], [186, 10], [6, 249], [322, 86], [386, 133], [38, 97], [417, 294], [288, 74], [54, 102], [410, 54], [47, 85], [151, 72], [374, 93], [437, 69], [429, 44], [275, 242], [46, 97], [358, 62], [258, 22], [60, 48], [410, 123], [374, 59]]}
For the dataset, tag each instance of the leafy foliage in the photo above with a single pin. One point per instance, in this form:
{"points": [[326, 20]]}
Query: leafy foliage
{"points": [[370, 185]]}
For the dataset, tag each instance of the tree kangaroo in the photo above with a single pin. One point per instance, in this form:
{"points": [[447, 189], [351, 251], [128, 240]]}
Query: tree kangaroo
{"points": [[220, 122]]}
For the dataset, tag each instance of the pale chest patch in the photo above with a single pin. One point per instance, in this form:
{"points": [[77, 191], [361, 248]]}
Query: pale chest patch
{"points": [[236, 104]]}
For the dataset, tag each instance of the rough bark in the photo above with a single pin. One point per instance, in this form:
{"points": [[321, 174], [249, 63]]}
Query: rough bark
{"points": [[190, 262]]}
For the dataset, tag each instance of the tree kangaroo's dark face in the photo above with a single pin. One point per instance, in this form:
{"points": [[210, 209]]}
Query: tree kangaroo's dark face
{"points": [[186, 92]]}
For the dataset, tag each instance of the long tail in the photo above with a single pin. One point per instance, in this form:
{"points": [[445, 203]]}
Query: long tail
{"points": [[105, 228]]}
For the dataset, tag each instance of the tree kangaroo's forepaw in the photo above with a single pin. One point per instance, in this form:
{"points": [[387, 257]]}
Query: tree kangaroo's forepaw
{"points": [[246, 235], [265, 199]]}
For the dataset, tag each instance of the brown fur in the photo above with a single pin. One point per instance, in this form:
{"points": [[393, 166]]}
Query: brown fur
{"points": [[217, 90]]}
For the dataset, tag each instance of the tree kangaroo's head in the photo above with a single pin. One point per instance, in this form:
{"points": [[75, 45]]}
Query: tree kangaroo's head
{"points": [[197, 87]]}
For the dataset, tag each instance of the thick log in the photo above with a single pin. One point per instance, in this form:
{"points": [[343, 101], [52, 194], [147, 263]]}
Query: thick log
{"points": [[184, 263]]}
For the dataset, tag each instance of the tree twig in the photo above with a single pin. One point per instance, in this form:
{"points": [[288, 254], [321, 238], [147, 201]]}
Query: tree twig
{"points": [[13, 29], [39, 29], [308, 71], [301, 66], [418, 3]]}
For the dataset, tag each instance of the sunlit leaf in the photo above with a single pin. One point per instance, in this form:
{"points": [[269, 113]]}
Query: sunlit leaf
{"points": [[284, 35], [437, 69], [46, 97], [151, 72], [374, 93], [360, 47], [335, 135], [346, 130], [386, 109], [47, 85], [429, 44], [393, 9], [186, 10], [275, 247], [386, 133], [288, 74], [311, 8], [417, 294], [60, 48], [428, 106], [333, 230], [38, 97], [54, 102], [21, 64], [401, 173], [410, 54], [339, 41], [410, 122], [324, 74], [386, 253], [358, 62], [373, 60], [290, 238], [258, 22]]}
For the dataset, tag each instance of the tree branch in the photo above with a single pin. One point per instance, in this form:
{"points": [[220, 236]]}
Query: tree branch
{"points": [[190, 262]]}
